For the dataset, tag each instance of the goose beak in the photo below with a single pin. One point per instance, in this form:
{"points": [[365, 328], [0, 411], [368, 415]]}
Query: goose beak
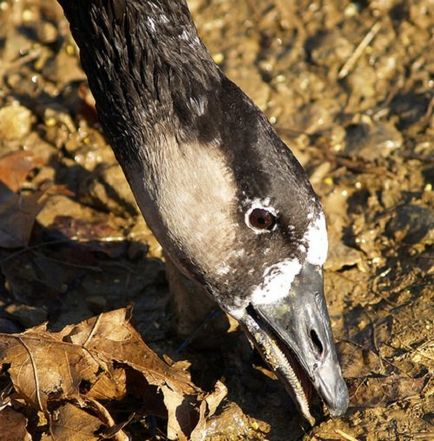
{"points": [[294, 336]]}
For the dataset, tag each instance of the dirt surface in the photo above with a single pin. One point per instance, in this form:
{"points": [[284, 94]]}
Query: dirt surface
{"points": [[349, 86]]}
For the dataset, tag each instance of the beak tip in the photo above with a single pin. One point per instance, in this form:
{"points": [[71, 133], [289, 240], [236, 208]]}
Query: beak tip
{"points": [[341, 401]]}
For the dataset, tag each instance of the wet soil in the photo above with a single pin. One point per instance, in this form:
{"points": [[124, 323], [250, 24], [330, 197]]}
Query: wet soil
{"points": [[349, 86]]}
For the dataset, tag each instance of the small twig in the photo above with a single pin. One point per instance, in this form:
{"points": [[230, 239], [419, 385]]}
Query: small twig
{"points": [[411, 350], [357, 345], [214, 313], [362, 383], [33, 247], [35, 373], [119, 435], [345, 435], [33, 55], [374, 340], [72, 265], [423, 354], [92, 332], [420, 435], [113, 431], [351, 62], [419, 157]]}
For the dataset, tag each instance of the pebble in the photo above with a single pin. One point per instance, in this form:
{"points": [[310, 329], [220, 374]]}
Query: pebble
{"points": [[27, 315], [372, 140], [8, 326], [15, 122]]}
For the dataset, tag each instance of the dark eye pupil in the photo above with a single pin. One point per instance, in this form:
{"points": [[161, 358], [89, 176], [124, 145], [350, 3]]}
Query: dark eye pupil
{"points": [[262, 219]]}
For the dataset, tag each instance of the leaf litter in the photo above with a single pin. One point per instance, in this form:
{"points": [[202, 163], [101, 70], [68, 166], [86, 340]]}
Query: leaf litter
{"points": [[75, 376], [18, 210]]}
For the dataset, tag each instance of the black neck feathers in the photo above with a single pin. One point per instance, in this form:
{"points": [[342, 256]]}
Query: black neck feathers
{"points": [[146, 66]]}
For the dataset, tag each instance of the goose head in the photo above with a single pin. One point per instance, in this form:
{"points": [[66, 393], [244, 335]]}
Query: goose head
{"points": [[226, 198]]}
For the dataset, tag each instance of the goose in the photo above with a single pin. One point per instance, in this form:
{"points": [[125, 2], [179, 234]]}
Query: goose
{"points": [[225, 197]]}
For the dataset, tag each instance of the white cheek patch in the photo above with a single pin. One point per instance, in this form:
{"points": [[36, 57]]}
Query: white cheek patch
{"points": [[316, 241], [277, 281]]}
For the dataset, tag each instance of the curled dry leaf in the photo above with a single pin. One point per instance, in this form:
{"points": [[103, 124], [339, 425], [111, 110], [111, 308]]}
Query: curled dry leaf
{"points": [[13, 426], [17, 216], [207, 410], [233, 423], [73, 424], [15, 167], [44, 368], [103, 358], [17, 211]]}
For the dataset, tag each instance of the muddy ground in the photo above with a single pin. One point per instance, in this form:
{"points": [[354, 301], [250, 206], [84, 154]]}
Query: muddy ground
{"points": [[349, 86]]}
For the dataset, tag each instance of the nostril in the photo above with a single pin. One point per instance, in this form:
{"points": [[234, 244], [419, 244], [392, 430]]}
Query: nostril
{"points": [[316, 342]]}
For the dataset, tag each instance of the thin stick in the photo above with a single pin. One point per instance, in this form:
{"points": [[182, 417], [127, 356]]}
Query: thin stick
{"points": [[351, 62], [92, 332], [33, 247], [119, 435], [345, 435]]}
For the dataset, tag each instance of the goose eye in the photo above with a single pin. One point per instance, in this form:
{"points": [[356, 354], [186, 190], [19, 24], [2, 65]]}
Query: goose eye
{"points": [[261, 219]]}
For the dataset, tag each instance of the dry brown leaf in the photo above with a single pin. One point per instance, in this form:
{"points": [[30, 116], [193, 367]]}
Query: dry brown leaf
{"points": [[173, 401], [15, 167], [43, 368], [214, 399], [233, 423], [207, 409], [103, 358], [111, 337], [70, 423], [17, 217], [111, 385], [13, 426]]}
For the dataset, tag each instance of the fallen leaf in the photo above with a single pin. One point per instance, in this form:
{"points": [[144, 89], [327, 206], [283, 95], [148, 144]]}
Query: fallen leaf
{"points": [[214, 399], [70, 423], [15, 167], [13, 426], [173, 402], [233, 423], [113, 338], [44, 368], [17, 216], [98, 360]]}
